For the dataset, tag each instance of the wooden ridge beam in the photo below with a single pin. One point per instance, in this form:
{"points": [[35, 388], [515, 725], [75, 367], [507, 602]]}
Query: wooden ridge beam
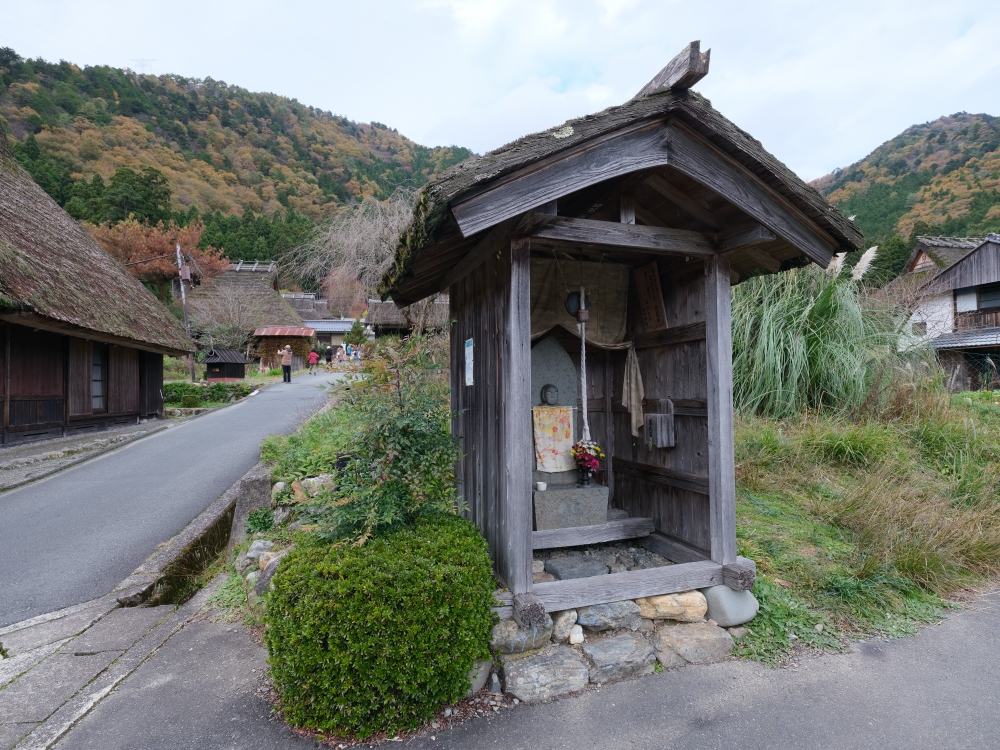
{"points": [[682, 480], [681, 73], [615, 587], [627, 528], [626, 236]]}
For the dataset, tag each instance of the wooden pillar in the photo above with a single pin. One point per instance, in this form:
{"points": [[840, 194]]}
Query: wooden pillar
{"points": [[721, 458], [609, 428], [516, 416], [6, 381]]}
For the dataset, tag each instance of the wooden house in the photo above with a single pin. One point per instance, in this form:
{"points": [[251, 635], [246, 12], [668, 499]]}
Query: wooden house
{"points": [[957, 293], [656, 207], [268, 340], [83, 341], [225, 365]]}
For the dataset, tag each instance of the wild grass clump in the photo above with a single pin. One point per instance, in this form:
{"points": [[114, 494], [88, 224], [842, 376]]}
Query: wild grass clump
{"points": [[811, 339]]}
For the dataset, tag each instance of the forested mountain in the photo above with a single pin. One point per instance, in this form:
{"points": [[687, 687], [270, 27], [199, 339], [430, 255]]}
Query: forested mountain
{"points": [[257, 169], [939, 178]]}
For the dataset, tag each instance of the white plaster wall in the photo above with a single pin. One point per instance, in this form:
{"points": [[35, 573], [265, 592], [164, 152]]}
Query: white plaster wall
{"points": [[938, 312]]}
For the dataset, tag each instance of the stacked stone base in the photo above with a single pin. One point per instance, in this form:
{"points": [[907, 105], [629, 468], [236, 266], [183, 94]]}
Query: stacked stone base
{"points": [[615, 641]]}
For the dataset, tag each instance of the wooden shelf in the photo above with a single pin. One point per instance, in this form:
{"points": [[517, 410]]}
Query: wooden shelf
{"points": [[627, 528]]}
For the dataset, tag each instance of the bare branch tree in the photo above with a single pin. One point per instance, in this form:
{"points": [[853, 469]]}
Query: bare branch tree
{"points": [[228, 315], [355, 250]]}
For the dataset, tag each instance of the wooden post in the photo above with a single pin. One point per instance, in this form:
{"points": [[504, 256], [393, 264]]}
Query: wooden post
{"points": [[6, 382], [721, 458], [516, 405], [609, 429]]}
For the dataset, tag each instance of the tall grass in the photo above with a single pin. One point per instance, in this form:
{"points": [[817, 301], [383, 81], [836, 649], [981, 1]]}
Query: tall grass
{"points": [[813, 339]]}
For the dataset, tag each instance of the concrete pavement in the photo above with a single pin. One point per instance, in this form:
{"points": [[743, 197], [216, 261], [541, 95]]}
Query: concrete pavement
{"points": [[206, 688], [71, 537]]}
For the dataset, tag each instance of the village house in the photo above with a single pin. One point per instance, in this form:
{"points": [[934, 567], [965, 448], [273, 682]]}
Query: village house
{"points": [[956, 283], [83, 340], [588, 269]]}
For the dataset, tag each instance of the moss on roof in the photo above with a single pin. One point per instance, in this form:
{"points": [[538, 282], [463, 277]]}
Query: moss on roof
{"points": [[50, 266], [431, 207]]}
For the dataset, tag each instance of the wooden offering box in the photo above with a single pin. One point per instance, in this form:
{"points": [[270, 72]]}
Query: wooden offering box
{"points": [[687, 204]]}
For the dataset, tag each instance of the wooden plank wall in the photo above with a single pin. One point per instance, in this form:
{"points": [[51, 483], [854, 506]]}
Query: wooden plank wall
{"points": [[481, 306], [150, 384], [80, 377], [36, 378], [123, 380], [669, 485]]}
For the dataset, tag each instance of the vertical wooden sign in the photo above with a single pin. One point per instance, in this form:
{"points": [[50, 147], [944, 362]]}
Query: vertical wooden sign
{"points": [[647, 284]]}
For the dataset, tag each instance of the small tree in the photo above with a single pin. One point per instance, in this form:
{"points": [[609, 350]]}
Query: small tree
{"points": [[357, 335]]}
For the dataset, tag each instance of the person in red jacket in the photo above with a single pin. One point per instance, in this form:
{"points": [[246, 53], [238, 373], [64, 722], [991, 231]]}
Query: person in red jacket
{"points": [[313, 359]]}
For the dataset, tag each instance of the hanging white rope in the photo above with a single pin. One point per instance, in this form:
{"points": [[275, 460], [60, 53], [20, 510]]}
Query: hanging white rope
{"points": [[583, 368]]}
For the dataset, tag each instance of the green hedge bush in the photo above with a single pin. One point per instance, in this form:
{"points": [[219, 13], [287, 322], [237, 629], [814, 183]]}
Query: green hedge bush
{"points": [[376, 638], [174, 393]]}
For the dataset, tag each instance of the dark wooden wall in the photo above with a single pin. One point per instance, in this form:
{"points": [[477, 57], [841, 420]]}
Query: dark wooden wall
{"points": [[150, 384], [123, 380], [669, 485], [36, 378], [80, 377], [493, 416]]}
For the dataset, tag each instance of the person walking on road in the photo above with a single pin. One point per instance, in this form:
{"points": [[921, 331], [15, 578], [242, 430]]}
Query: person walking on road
{"points": [[313, 359], [286, 363], [329, 356]]}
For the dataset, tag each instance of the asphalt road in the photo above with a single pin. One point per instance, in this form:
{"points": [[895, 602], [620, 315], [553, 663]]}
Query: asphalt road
{"points": [[73, 536]]}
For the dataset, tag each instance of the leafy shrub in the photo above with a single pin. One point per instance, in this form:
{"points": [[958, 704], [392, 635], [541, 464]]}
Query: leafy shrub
{"points": [[174, 392], [190, 400], [375, 638], [402, 450], [274, 372], [259, 520]]}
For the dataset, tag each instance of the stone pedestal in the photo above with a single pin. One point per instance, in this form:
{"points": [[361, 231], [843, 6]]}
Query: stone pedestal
{"points": [[569, 507]]}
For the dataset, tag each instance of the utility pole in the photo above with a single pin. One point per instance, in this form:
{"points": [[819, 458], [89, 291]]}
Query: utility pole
{"points": [[181, 268]]}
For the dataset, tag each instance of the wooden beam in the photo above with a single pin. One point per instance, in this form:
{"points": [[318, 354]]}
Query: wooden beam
{"points": [[626, 206], [682, 480], [626, 236], [674, 549], [529, 612], [721, 451], [615, 587], [740, 575], [627, 528], [516, 398], [706, 165], [672, 335], [621, 152], [648, 217], [744, 238], [677, 197], [681, 73], [494, 241]]}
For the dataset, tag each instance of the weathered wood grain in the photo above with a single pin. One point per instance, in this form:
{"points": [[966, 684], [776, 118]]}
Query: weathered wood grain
{"points": [[615, 587], [721, 451], [704, 164], [529, 612], [626, 236], [673, 335], [627, 528], [516, 417], [661, 475], [494, 241], [677, 197], [755, 235], [674, 549], [628, 150], [740, 575], [682, 72]]}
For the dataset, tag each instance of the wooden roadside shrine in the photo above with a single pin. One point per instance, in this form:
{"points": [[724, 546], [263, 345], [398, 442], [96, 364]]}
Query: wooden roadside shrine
{"points": [[667, 187]]}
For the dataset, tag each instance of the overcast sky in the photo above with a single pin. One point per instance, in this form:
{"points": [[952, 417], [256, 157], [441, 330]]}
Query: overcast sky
{"points": [[820, 84]]}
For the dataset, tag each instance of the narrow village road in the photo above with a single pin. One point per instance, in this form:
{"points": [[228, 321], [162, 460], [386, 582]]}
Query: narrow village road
{"points": [[73, 536]]}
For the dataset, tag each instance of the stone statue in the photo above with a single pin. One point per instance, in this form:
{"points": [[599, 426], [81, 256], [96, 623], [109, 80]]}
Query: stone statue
{"points": [[550, 395]]}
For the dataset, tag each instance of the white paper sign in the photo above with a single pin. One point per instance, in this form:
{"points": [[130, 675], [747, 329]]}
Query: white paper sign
{"points": [[468, 361]]}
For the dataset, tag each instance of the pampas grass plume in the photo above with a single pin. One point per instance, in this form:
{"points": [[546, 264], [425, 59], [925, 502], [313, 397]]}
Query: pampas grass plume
{"points": [[865, 263], [836, 264]]}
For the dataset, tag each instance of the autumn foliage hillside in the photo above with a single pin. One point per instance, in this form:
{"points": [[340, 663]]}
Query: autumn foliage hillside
{"points": [[222, 148]]}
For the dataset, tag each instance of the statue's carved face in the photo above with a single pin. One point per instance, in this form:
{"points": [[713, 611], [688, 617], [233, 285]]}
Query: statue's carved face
{"points": [[550, 395]]}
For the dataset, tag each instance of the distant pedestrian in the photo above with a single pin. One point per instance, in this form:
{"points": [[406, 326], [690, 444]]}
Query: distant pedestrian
{"points": [[286, 363], [347, 348], [340, 354], [329, 356], [313, 359]]}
